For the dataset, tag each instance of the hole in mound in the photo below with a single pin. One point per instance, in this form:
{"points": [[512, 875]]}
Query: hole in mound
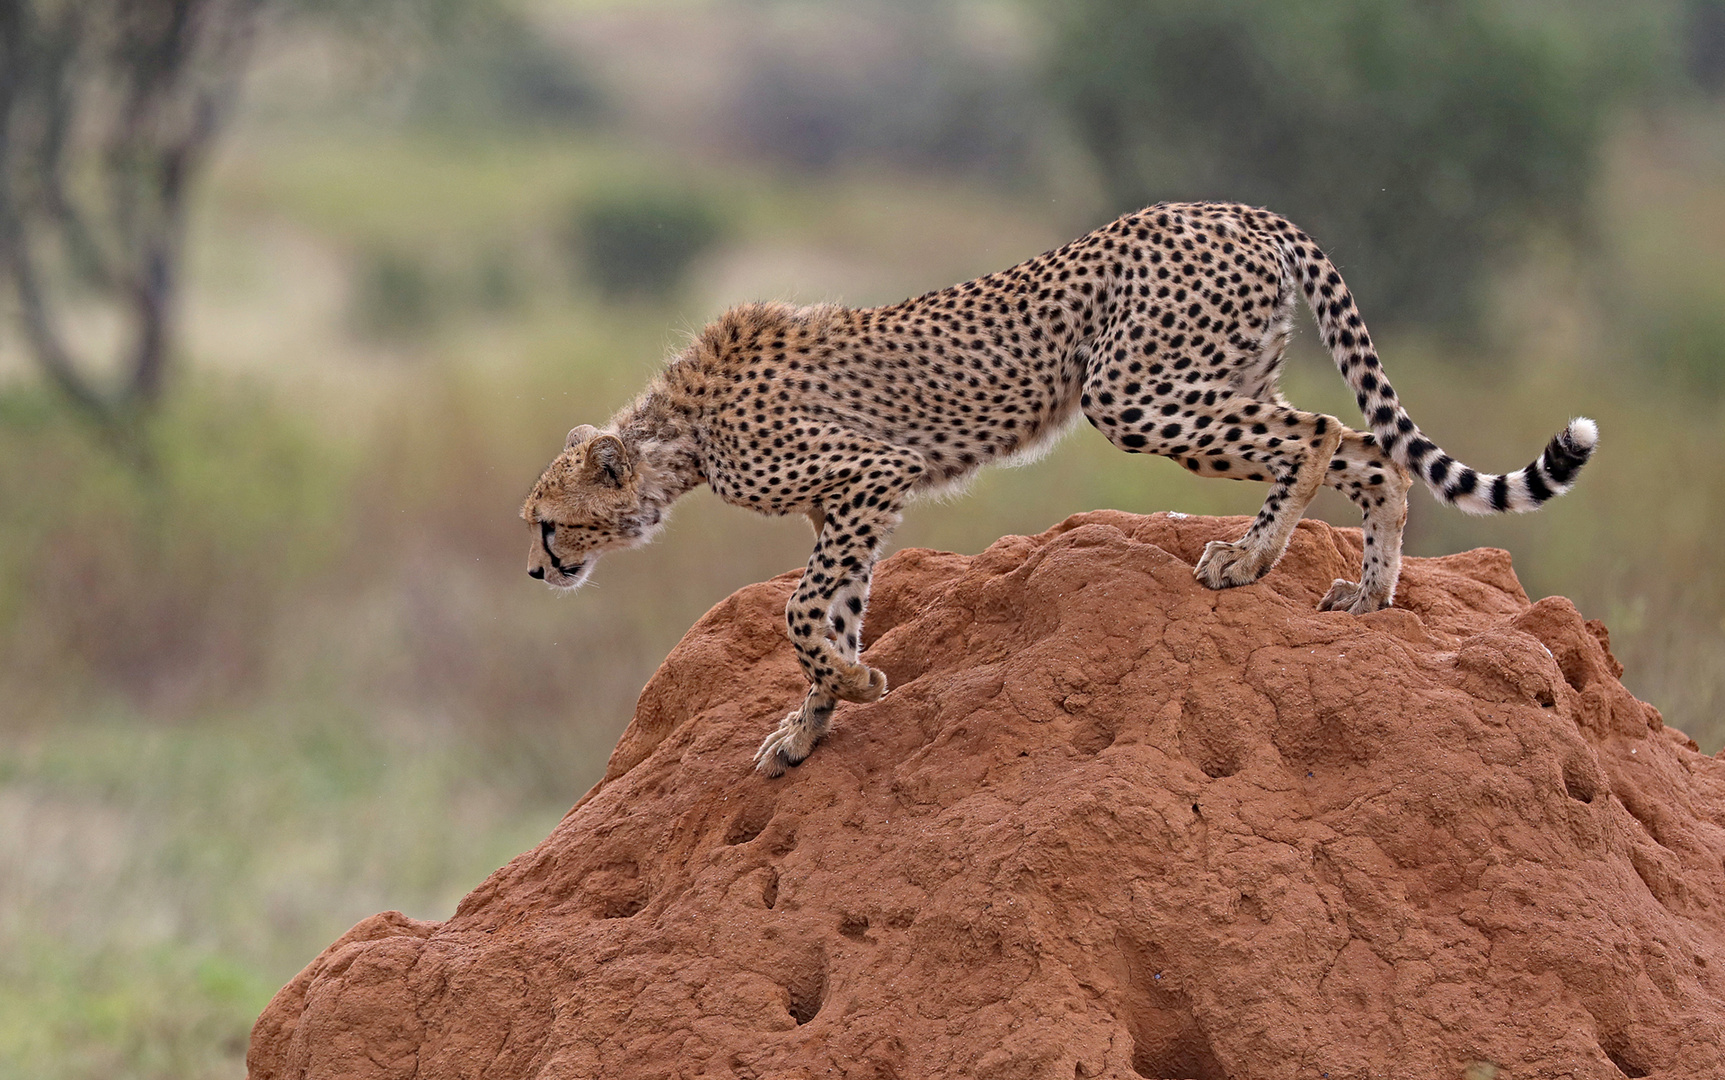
{"points": [[853, 927], [1627, 1062], [770, 889], [1218, 757], [1216, 770], [1166, 1043], [1167, 1040], [1580, 779], [808, 990], [624, 906], [1660, 882], [1644, 811], [1093, 737], [1326, 739], [1577, 672], [616, 891], [748, 822]]}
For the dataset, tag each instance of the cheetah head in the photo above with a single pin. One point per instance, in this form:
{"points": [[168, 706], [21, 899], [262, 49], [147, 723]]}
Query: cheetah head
{"points": [[589, 499]]}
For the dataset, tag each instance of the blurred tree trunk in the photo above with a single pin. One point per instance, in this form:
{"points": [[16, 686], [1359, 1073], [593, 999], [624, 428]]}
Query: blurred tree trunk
{"points": [[107, 112]]}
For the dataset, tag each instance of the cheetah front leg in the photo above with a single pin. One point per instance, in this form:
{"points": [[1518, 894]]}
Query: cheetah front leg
{"points": [[832, 658], [827, 643], [825, 615], [1298, 461], [1379, 487]]}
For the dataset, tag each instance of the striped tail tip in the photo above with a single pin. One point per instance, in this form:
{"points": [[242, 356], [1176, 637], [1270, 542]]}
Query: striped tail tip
{"points": [[1567, 452], [1583, 435], [1553, 473], [1550, 474]]}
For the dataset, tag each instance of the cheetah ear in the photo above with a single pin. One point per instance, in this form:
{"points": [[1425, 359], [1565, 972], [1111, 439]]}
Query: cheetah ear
{"points": [[609, 460], [579, 435]]}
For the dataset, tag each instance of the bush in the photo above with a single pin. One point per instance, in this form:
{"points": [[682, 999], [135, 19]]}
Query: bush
{"points": [[393, 295], [642, 245], [928, 86], [1418, 142], [398, 295], [161, 587]]}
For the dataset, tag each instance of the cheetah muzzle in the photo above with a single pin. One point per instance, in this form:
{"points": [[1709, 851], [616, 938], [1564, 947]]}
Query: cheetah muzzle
{"points": [[1166, 329]]}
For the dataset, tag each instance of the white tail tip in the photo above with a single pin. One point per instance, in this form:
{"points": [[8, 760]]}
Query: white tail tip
{"points": [[1584, 433]]}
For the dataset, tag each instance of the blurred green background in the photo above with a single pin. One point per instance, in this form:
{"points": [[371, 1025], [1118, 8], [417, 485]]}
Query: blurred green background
{"points": [[268, 660]]}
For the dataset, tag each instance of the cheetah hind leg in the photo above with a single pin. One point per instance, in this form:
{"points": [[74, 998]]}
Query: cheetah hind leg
{"points": [[1379, 487], [1224, 564]]}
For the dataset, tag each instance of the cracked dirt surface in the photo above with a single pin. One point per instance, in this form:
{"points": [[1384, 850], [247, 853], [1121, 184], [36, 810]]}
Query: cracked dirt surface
{"points": [[1107, 824]]}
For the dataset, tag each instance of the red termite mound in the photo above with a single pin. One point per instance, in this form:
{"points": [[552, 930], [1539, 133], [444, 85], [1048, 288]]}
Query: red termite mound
{"points": [[1106, 824]]}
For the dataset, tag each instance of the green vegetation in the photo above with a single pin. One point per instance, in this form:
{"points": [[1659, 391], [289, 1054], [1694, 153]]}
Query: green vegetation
{"points": [[293, 674], [163, 881], [641, 244], [1420, 142]]}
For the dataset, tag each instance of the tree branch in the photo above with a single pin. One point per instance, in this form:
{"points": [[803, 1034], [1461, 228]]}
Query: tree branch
{"points": [[107, 112]]}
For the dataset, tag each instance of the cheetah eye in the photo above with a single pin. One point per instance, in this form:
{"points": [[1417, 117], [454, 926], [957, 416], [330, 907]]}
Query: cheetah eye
{"points": [[546, 530]]}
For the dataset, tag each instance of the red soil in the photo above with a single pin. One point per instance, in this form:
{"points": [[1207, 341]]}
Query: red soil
{"points": [[1106, 824]]}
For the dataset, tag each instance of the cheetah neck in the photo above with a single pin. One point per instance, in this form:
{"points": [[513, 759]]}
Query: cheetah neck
{"points": [[661, 441]]}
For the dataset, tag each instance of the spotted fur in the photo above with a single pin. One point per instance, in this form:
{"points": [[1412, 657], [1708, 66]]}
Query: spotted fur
{"points": [[1166, 329]]}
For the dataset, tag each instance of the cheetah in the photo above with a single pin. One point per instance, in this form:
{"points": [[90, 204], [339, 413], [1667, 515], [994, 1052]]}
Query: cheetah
{"points": [[1165, 329]]}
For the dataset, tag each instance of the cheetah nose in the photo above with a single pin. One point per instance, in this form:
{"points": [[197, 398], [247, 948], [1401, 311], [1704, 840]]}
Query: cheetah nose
{"points": [[537, 573]]}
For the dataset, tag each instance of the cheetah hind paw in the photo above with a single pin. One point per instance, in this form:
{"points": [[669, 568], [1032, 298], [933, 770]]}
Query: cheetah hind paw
{"points": [[788, 746], [1225, 565], [1352, 598]]}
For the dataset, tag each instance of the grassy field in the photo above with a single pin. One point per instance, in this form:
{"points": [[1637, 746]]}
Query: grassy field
{"points": [[295, 676]]}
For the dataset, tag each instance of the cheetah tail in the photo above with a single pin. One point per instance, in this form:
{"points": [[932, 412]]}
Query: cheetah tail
{"points": [[1468, 489]]}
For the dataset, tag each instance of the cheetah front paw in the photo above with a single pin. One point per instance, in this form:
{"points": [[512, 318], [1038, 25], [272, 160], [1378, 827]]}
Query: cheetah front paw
{"points": [[1352, 598], [1225, 565], [859, 683], [788, 746]]}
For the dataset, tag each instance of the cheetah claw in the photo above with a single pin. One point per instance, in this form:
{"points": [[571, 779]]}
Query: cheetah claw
{"points": [[1225, 565], [1352, 598], [787, 747], [860, 684]]}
